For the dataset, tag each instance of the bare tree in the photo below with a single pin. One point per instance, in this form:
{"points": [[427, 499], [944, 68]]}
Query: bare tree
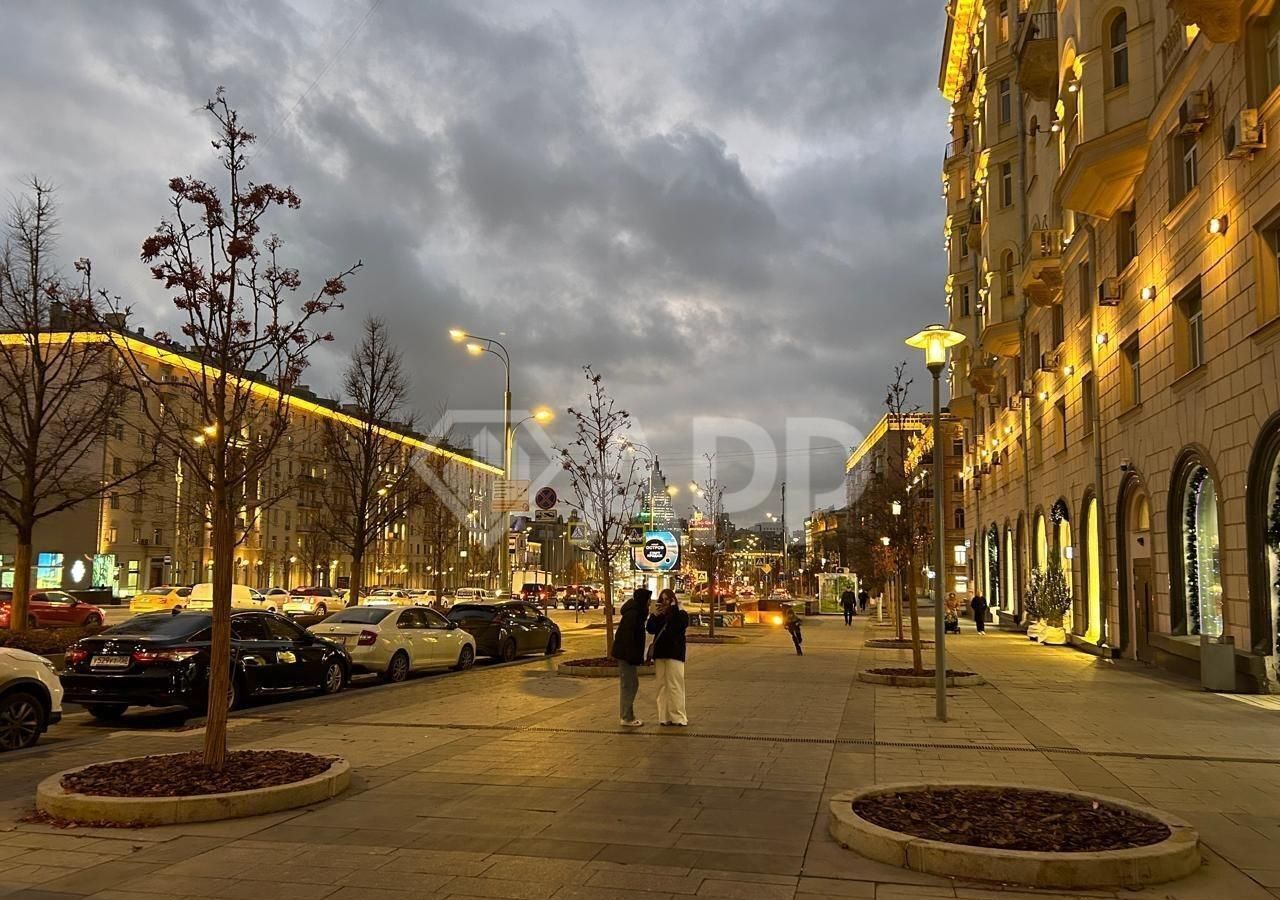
{"points": [[225, 411], [62, 387], [443, 521], [711, 492], [905, 518], [602, 474], [370, 485]]}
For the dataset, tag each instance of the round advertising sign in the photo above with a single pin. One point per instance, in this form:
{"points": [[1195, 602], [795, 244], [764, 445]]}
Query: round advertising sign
{"points": [[655, 551], [660, 552]]}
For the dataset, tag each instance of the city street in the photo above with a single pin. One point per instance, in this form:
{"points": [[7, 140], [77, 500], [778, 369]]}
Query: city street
{"points": [[508, 781]]}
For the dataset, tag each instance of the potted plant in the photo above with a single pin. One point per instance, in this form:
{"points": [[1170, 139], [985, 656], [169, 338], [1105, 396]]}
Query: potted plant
{"points": [[1052, 602], [1032, 604]]}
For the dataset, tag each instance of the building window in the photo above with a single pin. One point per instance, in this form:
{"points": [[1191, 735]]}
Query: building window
{"points": [[1006, 101], [1006, 185], [1086, 288], [1002, 22], [963, 237], [1118, 48], [1264, 53], [1092, 571], [1126, 237], [157, 536], [1033, 345], [1267, 260], [1088, 403], [1189, 330], [1060, 412], [113, 534], [957, 446], [1184, 172], [117, 465], [1130, 373], [115, 501], [959, 517], [1058, 320], [965, 301], [137, 534], [1197, 554]]}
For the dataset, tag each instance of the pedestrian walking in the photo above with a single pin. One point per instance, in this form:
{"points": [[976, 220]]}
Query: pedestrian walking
{"points": [[628, 650], [979, 604], [668, 625], [849, 601], [792, 623], [863, 599]]}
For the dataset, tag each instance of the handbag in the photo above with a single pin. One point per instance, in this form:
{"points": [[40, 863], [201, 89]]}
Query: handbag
{"points": [[653, 644]]}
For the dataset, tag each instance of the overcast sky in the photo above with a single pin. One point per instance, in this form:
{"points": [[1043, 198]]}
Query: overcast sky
{"points": [[728, 208]]}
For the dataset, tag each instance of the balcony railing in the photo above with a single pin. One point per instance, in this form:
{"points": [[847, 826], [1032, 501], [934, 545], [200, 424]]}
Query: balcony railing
{"points": [[1037, 48], [1041, 26], [955, 150]]}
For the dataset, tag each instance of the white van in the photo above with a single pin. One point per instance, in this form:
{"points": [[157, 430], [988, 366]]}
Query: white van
{"points": [[242, 597], [470, 595]]}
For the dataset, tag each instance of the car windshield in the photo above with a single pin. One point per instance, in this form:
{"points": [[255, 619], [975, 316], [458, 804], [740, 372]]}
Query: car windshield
{"points": [[161, 625], [360, 615]]}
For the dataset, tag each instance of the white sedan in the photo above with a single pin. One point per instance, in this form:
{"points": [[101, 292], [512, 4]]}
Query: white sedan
{"points": [[388, 597], [30, 698], [394, 642]]}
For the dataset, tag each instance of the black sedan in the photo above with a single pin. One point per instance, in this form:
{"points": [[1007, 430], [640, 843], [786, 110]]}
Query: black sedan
{"points": [[507, 629], [162, 659]]}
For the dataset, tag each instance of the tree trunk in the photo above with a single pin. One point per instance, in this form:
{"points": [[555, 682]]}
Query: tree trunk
{"points": [[917, 661], [21, 581], [224, 545], [714, 586], [608, 608], [357, 578], [897, 603]]}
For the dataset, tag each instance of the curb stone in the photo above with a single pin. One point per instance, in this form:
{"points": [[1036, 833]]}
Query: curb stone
{"points": [[972, 680]]}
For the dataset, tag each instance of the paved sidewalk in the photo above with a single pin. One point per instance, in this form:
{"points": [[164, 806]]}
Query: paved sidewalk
{"points": [[514, 783]]}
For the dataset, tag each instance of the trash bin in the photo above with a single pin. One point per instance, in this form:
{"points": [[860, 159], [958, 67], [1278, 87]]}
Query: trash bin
{"points": [[1218, 663]]}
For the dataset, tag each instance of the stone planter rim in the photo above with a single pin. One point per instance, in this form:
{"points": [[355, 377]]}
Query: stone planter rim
{"points": [[867, 677], [55, 800], [1177, 856], [893, 644], [566, 668]]}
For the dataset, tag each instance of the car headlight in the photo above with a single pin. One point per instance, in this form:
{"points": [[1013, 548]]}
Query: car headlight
{"points": [[49, 665]]}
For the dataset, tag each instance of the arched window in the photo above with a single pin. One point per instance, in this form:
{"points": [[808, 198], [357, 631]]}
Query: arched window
{"points": [[1006, 270], [1118, 49], [1263, 495], [1197, 561], [994, 592], [1010, 571], [1041, 545], [1092, 571]]}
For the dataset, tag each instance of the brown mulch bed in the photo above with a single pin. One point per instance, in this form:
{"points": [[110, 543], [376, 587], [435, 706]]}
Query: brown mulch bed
{"points": [[185, 775], [601, 662], [39, 817], [927, 673], [894, 644], [1011, 819], [45, 641]]}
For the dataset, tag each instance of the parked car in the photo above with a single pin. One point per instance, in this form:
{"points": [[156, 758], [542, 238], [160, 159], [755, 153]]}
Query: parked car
{"points": [[242, 597], [507, 629], [388, 597], [30, 698], [469, 595], [311, 601], [52, 609], [538, 593], [162, 659], [159, 599], [394, 642]]}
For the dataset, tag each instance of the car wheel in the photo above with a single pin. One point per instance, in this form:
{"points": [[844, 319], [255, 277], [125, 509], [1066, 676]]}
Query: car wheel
{"points": [[322, 610], [106, 712], [509, 649], [21, 720], [92, 620], [553, 645], [397, 669], [234, 695], [333, 678], [466, 658]]}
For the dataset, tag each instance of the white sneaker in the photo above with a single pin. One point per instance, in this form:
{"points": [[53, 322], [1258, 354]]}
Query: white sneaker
{"points": [[630, 723]]}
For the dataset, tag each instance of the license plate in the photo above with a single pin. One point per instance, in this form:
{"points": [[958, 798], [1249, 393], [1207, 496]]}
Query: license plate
{"points": [[109, 662]]}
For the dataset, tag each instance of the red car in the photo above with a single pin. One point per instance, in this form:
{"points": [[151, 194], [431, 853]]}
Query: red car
{"points": [[53, 609]]}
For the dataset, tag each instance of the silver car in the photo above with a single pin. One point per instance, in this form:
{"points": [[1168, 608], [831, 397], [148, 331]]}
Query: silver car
{"points": [[394, 641]]}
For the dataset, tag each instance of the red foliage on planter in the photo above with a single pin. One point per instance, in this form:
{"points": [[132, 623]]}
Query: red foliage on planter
{"points": [[185, 774]]}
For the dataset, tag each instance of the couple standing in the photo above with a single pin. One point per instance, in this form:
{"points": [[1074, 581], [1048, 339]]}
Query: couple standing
{"points": [[668, 624]]}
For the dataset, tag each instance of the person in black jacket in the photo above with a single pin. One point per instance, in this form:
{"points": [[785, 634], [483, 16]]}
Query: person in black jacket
{"points": [[628, 650], [668, 625], [849, 603]]}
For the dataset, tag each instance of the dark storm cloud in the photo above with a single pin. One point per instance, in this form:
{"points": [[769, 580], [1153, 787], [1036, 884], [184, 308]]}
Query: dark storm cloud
{"points": [[730, 209]]}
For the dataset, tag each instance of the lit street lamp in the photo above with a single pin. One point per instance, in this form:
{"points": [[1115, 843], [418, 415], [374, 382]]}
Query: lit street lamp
{"points": [[935, 341]]}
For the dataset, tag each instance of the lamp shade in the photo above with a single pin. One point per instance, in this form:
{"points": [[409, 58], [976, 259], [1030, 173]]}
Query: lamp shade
{"points": [[935, 341]]}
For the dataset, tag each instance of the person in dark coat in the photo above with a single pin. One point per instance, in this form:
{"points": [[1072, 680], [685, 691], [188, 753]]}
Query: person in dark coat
{"points": [[668, 625], [979, 605], [849, 602], [791, 622], [863, 599], [628, 650]]}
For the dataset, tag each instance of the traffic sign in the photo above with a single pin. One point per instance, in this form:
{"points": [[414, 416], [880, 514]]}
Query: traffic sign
{"points": [[545, 515], [579, 534], [510, 495], [766, 568], [545, 498], [635, 535]]}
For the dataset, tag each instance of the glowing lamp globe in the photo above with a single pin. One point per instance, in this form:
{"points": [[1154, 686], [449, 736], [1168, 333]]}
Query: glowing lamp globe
{"points": [[935, 341]]}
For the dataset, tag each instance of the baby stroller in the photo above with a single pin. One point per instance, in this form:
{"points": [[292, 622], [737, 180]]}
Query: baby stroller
{"points": [[951, 622]]}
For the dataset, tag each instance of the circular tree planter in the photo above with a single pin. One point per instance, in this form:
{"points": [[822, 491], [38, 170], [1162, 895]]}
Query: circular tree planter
{"points": [[1093, 842], [907, 678], [714, 639], [121, 792], [894, 644], [599, 667]]}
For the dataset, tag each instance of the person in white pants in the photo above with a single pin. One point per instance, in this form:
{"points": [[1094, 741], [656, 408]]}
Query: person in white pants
{"points": [[668, 625]]}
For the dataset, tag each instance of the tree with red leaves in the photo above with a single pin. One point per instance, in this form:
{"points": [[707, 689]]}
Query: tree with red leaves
{"points": [[222, 416]]}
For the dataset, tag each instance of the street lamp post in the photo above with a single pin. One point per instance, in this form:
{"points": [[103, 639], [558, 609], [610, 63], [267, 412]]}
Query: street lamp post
{"points": [[935, 341]]}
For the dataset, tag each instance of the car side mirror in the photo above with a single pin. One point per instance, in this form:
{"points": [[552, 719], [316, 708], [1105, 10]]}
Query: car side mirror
{"points": [[452, 625]]}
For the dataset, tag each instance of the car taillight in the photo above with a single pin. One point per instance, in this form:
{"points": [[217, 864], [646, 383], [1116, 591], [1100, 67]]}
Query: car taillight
{"points": [[367, 638], [178, 654], [76, 655]]}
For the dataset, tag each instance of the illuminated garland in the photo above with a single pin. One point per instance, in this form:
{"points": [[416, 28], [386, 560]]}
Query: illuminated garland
{"points": [[993, 567], [1192, 536], [1273, 542]]}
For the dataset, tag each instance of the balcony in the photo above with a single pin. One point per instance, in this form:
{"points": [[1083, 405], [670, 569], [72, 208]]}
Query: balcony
{"points": [[982, 376], [1037, 48], [1221, 21], [956, 151], [1042, 267], [1101, 173], [1003, 338]]}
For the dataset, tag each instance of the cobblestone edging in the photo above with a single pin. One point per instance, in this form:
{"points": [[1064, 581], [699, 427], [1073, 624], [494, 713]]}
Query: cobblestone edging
{"points": [[568, 669], [1175, 857], [54, 800], [971, 680]]}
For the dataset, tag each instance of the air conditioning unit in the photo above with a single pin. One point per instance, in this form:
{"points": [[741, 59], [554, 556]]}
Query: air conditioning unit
{"points": [[1028, 387], [143, 542], [1110, 292], [1194, 112], [1245, 136], [1015, 402], [993, 401], [1051, 361]]}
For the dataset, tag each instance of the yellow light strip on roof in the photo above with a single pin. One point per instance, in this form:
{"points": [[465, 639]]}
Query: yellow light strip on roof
{"points": [[169, 357]]}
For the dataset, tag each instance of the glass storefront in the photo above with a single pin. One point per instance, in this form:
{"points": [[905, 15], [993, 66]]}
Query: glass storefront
{"points": [[1201, 560], [1093, 572]]}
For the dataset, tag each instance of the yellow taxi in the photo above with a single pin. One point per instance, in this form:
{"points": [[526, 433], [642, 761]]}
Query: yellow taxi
{"points": [[159, 599]]}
